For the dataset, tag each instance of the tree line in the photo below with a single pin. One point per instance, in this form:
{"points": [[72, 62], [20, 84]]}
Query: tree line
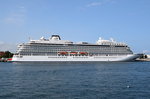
{"points": [[7, 54]]}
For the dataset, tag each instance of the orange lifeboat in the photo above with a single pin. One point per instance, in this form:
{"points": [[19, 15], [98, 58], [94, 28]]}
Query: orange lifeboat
{"points": [[83, 53], [62, 53], [73, 53]]}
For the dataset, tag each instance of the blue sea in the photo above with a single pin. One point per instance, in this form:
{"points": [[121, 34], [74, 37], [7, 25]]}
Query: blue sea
{"points": [[105, 80]]}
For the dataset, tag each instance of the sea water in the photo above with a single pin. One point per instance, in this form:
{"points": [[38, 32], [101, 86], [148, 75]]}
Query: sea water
{"points": [[105, 80]]}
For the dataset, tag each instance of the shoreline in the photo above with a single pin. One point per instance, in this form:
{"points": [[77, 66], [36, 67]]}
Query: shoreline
{"points": [[139, 60], [144, 59]]}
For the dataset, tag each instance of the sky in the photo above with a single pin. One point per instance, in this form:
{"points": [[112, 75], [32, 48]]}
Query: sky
{"points": [[126, 21]]}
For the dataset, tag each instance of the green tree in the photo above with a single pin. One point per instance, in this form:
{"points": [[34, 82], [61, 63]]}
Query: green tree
{"points": [[146, 56], [7, 55]]}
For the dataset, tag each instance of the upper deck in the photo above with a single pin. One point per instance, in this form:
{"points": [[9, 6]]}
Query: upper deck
{"points": [[56, 40]]}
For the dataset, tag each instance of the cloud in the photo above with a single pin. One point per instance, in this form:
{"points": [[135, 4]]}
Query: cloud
{"points": [[100, 3], [94, 4], [146, 51], [16, 17], [1, 42], [14, 20], [8, 46]]}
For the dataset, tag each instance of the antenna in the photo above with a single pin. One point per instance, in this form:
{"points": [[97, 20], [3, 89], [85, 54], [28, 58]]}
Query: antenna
{"points": [[30, 39]]}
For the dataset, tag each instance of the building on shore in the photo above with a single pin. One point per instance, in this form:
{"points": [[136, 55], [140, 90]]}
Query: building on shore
{"points": [[148, 56], [2, 53]]}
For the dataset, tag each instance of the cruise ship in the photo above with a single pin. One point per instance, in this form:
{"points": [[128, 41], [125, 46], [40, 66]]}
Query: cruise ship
{"points": [[56, 50]]}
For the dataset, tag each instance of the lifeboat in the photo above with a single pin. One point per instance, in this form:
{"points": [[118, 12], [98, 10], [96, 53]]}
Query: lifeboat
{"points": [[83, 53], [73, 53], [62, 53]]}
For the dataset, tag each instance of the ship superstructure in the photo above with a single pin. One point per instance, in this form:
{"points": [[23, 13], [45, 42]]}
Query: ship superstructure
{"points": [[55, 49]]}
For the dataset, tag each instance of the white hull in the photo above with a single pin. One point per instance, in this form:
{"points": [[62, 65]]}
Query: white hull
{"points": [[18, 58]]}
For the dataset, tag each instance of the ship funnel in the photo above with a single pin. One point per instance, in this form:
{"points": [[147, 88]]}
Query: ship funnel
{"points": [[55, 37]]}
